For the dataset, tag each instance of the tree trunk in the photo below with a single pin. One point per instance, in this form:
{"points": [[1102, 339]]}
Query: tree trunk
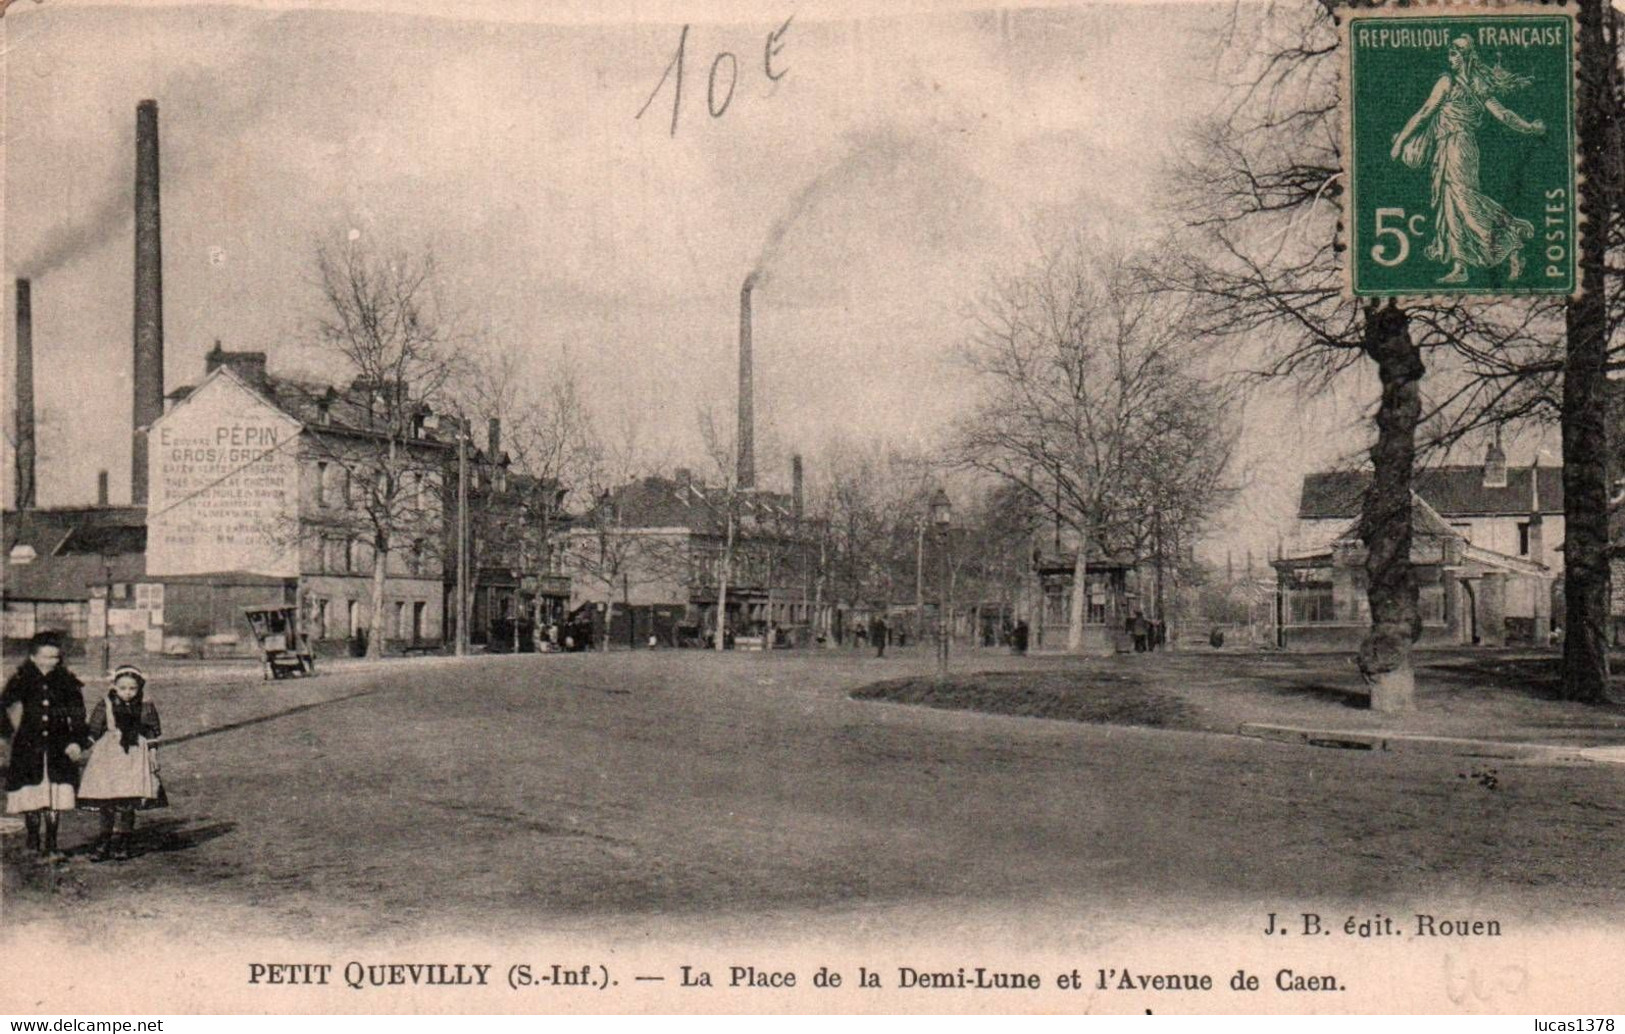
{"points": [[1080, 595], [820, 619], [919, 579], [1385, 522], [380, 621], [722, 587], [1585, 438]]}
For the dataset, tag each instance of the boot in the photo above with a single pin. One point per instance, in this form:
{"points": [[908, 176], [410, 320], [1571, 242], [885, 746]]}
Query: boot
{"points": [[48, 849], [121, 847], [104, 848]]}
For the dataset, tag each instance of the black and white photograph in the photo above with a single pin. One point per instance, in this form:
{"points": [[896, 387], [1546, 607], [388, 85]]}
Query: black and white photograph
{"points": [[812, 506]]}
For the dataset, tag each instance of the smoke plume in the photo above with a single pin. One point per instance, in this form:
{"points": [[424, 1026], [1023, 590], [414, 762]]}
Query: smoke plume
{"points": [[221, 106], [872, 154]]}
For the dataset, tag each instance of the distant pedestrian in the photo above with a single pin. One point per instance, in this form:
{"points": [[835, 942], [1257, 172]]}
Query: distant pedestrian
{"points": [[877, 632], [45, 713], [122, 774], [1140, 629]]}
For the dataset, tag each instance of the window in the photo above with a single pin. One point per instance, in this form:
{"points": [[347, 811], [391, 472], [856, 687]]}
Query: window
{"points": [[1310, 604], [1309, 598], [414, 561], [352, 556], [353, 609], [321, 484], [419, 609], [402, 629], [1523, 538], [1055, 604], [319, 617]]}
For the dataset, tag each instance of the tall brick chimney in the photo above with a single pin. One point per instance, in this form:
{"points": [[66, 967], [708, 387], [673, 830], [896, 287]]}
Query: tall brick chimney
{"points": [[26, 432], [101, 488], [747, 420], [149, 298], [796, 500]]}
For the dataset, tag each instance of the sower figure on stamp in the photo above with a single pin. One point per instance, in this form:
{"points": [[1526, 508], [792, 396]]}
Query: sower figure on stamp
{"points": [[1470, 228], [122, 774], [45, 711]]}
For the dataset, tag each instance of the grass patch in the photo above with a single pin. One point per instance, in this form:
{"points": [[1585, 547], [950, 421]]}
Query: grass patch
{"points": [[1071, 696]]}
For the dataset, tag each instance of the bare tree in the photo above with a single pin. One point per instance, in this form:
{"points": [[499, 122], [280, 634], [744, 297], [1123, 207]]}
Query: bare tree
{"points": [[605, 547], [546, 450], [1092, 405], [383, 319]]}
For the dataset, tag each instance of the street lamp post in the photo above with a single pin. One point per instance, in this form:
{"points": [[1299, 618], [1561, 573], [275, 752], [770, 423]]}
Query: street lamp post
{"points": [[107, 612], [942, 516]]}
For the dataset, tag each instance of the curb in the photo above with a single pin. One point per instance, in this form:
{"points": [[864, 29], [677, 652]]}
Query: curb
{"points": [[1411, 743]]}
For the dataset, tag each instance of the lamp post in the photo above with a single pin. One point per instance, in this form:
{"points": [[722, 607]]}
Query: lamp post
{"points": [[107, 612], [461, 642], [942, 516]]}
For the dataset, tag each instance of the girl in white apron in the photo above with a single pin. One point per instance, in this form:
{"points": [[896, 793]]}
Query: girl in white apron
{"points": [[122, 774]]}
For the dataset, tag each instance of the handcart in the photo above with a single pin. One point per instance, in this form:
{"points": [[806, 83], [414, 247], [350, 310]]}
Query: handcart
{"points": [[286, 650]]}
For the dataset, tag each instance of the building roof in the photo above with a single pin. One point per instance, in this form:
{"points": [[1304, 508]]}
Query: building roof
{"points": [[659, 502], [1426, 522], [68, 550], [1455, 491], [317, 405]]}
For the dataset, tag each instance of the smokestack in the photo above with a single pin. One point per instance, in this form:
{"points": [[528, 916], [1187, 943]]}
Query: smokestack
{"points": [[747, 420], [149, 297], [795, 485], [26, 442], [101, 488]]}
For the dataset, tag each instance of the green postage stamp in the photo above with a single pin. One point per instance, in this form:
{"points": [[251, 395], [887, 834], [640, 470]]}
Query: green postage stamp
{"points": [[1460, 138]]}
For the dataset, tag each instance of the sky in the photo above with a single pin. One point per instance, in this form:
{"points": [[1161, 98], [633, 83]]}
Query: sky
{"points": [[898, 162]]}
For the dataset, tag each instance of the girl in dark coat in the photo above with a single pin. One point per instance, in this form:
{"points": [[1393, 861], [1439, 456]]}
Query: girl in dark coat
{"points": [[45, 711], [122, 774]]}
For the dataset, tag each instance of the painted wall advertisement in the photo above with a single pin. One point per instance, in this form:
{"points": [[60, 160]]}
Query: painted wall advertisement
{"points": [[225, 485]]}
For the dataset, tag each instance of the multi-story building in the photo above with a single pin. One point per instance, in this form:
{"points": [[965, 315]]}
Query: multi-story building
{"points": [[652, 556], [517, 584], [292, 486]]}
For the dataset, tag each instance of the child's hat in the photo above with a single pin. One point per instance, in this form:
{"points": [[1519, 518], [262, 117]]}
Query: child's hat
{"points": [[130, 670]]}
